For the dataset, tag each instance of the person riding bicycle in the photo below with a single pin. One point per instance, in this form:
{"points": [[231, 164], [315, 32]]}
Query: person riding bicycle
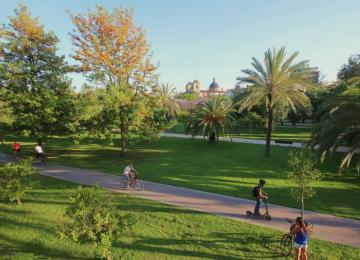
{"points": [[130, 172], [301, 232], [259, 194], [39, 152], [16, 148]]}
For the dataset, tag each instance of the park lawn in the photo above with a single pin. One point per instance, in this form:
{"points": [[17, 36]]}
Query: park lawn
{"points": [[224, 168], [160, 232], [286, 133]]}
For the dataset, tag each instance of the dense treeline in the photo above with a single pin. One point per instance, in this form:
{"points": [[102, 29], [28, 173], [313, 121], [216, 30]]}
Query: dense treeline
{"points": [[37, 98], [122, 96]]}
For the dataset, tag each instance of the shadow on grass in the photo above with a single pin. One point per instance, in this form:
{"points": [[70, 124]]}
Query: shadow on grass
{"points": [[157, 209], [248, 246], [10, 247]]}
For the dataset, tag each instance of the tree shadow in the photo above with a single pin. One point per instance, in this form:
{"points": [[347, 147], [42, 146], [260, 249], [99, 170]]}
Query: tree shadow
{"points": [[10, 247], [249, 246]]}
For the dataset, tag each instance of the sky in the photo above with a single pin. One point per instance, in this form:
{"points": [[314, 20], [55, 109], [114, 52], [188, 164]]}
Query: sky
{"points": [[202, 39]]}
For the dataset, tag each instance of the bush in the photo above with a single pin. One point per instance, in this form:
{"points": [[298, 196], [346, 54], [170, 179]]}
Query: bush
{"points": [[92, 220], [16, 179]]}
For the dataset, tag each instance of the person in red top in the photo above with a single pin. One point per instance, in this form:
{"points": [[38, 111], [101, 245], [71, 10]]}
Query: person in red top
{"points": [[16, 148]]}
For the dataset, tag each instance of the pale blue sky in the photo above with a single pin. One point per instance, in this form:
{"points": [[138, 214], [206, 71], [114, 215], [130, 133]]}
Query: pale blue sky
{"points": [[200, 39]]}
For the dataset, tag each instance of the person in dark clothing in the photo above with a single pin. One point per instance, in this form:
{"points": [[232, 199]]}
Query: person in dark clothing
{"points": [[259, 194]]}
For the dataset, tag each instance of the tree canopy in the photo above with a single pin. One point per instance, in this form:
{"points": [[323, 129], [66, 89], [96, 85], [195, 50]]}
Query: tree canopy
{"points": [[113, 52], [34, 76], [280, 84]]}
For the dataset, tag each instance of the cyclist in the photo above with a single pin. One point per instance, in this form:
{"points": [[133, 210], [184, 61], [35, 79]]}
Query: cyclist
{"points": [[130, 173], [39, 152], [301, 232], [259, 194], [16, 148]]}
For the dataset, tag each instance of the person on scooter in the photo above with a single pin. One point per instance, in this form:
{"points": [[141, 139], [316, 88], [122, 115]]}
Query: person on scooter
{"points": [[259, 194]]}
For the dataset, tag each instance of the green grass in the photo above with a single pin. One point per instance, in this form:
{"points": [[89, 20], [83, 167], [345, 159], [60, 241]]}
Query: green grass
{"points": [[160, 232], [224, 168], [295, 134]]}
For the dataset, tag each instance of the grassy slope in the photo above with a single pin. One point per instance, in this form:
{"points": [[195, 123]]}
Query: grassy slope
{"points": [[280, 133], [161, 232], [224, 168]]}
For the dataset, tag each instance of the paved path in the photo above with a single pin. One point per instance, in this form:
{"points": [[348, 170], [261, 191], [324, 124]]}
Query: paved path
{"points": [[330, 228], [248, 141]]}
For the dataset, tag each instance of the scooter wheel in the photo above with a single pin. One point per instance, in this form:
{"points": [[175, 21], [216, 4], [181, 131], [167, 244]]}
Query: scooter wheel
{"points": [[268, 217]]}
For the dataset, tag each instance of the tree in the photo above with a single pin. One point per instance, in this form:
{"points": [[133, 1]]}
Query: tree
{"points": [[339, 125], [279, 84], [351, 69], [294, 117], [165, 99], [188, 96], [6, 115], [16, 179], [32, 72], [301, 176], [211, 118], [113, 51]]}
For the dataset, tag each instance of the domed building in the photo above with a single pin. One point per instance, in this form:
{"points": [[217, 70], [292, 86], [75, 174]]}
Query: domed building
{"points": [[214, 87], [213, 90]]}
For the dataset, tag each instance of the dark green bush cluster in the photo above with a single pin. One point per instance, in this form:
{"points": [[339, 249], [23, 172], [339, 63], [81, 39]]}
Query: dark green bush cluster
{"points": [[16, 179], [92, 220]]}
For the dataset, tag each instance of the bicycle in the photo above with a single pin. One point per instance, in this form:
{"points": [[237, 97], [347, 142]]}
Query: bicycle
{"points": [[40, 159], [17, 156], [286, 244], [135, 184]]}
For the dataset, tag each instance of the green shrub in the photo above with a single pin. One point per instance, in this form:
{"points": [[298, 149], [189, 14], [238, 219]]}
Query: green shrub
{"points": [[16, 179], [92, 220]]}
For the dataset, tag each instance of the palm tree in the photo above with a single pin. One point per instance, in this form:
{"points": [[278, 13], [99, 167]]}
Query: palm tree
{"points": [[339, 125], [279, 84], [165, 94], [211, 117]]}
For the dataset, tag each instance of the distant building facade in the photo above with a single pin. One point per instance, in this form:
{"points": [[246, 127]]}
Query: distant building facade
{"points": [[213, 90]]}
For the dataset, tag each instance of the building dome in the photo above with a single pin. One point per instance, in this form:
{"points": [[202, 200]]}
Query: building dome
{"points": [[213, 85]]}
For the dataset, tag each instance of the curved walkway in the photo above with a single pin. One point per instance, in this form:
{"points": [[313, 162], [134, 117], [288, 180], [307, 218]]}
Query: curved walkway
{"points": [[327, 227], [249, 141]]}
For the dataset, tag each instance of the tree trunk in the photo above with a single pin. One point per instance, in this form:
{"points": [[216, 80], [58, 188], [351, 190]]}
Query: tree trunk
{"points": [[123, 141], [302, 205], [18, 201], [212, 137], [268, 133], [2, 139]]}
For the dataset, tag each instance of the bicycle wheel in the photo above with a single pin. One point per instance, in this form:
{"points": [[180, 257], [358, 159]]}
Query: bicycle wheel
{"points": [[124, 183], [138, 185], [286, 244], [43, 159]]}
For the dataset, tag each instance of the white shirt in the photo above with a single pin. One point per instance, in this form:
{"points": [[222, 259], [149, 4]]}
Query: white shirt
{"points": [[127, 170], [38, 149]]}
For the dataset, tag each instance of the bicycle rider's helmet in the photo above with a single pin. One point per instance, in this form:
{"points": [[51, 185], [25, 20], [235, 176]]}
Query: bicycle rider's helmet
{"points": [[262, 182]]}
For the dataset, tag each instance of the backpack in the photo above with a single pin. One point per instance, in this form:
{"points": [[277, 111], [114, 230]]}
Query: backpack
{"points": [[256, 191]]}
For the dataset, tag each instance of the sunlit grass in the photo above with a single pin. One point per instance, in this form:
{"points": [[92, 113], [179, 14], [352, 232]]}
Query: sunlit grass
{"points": [[224, 168], [160, 231]]}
